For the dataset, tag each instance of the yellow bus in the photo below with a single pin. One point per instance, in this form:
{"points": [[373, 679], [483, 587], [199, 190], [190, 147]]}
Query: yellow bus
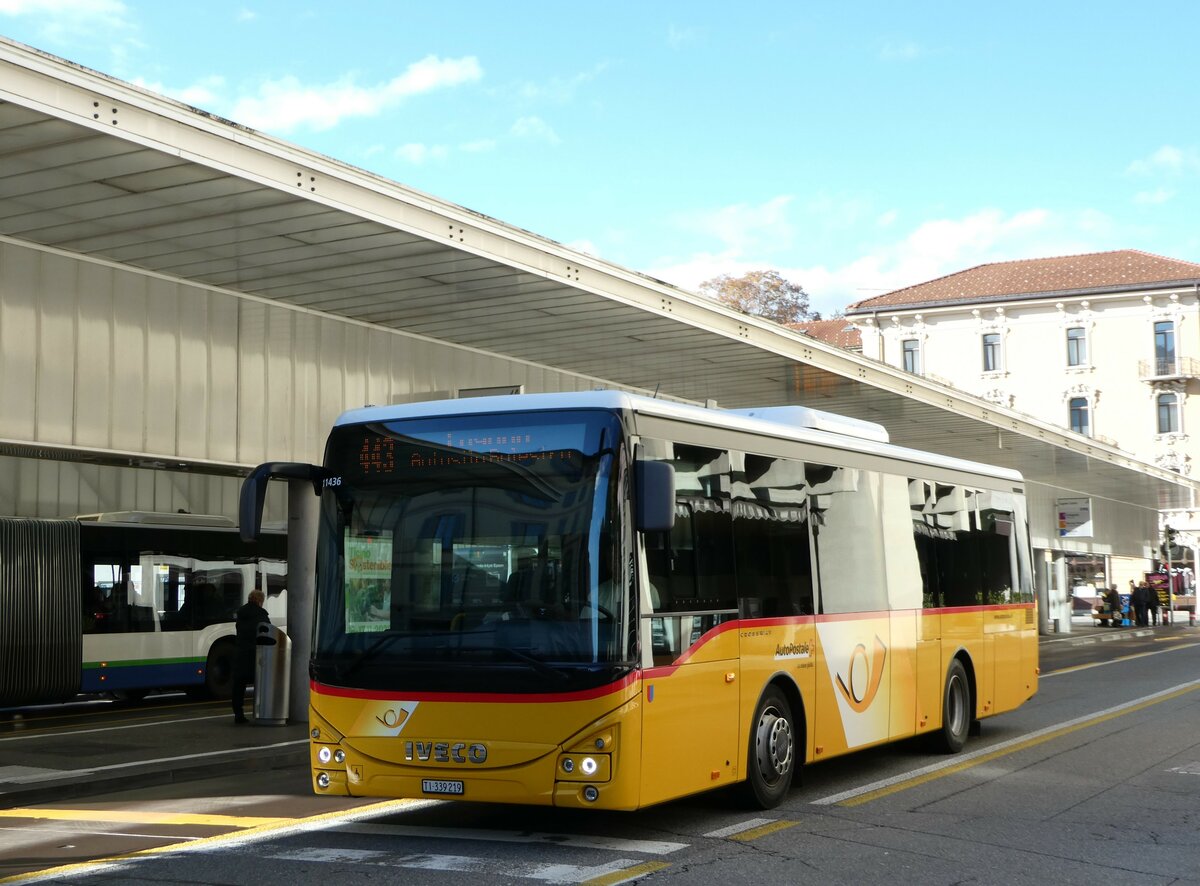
{"points": [[600, 600]]}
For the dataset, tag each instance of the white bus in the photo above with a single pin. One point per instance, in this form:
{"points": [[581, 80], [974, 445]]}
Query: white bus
{"points": [[127, 602]]}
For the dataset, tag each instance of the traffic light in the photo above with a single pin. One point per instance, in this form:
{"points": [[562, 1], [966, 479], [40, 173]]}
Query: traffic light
{"points": [[1168, 542]]}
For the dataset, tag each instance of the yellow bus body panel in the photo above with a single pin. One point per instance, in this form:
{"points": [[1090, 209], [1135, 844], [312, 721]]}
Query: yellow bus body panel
{"points": [[853, 681]]}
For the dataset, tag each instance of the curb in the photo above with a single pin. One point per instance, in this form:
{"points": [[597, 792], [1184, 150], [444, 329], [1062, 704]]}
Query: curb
{"points": [[84, 784]]}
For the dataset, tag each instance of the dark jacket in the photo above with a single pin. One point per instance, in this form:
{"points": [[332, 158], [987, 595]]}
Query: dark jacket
{"points": [[249, 617]]}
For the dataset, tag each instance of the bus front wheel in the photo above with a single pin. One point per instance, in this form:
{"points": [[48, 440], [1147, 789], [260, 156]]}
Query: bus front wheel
{"points": [[956, 710], [218, 670], [772, 752]]}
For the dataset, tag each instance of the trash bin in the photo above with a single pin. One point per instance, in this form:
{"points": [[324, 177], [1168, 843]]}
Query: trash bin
{"points": [[272, 675]]}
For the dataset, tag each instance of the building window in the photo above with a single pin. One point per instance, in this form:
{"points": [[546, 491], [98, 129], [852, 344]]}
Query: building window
{"points": [[1164, 347], [912, 355], [1076, 346], [1080, 423], [1168, 414], [991, 352]]}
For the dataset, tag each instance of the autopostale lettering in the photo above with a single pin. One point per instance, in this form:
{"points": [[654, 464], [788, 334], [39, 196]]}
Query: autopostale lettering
{"points": [[445, 752]]}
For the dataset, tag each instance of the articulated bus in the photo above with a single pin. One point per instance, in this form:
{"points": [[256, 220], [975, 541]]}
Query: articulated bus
{"points": [[600, 600], [127, 602]]}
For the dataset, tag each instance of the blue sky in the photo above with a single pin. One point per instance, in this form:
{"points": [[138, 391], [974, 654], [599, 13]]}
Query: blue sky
{"points": [[854, 147]]}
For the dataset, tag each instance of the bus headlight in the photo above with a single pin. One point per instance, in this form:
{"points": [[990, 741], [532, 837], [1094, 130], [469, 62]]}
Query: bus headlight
{"points": [[324, 755], [585, 767], [339, 756], [323, 780]]}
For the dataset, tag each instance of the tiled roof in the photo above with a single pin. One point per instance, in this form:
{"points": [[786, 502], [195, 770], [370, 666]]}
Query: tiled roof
{"points": [[835, 332], [999, 281]]}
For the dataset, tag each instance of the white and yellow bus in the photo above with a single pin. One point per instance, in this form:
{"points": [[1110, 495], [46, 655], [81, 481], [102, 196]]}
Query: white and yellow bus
{"points": [[599, 600]]}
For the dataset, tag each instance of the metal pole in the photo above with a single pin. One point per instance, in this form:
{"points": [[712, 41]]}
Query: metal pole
{"points": [[1170, 578], [303, 511]]}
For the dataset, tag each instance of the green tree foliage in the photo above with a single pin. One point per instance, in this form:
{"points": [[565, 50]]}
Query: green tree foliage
{"points": [[765, 294]]}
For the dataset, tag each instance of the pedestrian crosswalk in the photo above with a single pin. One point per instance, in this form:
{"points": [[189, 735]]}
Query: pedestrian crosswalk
{"points": [[619, 870]]}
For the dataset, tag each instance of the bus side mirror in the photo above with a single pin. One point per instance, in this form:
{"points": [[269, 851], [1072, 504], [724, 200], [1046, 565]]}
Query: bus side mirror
{"points": [[655, 493], [254, 491]]}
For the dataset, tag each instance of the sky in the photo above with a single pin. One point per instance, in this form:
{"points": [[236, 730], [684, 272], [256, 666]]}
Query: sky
{"points": [[856, 148]]}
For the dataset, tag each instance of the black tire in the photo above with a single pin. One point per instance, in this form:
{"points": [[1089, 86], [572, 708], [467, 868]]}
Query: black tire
{"points": [[771, 761], [218, 670], [957, 710]]}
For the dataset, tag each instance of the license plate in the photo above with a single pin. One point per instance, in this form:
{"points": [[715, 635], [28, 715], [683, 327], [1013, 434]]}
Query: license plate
{"points": [[437, 786]]}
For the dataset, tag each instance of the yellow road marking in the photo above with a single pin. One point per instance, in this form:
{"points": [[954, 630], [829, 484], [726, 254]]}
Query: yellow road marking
{"points": [[117, 815], [627, 874], [763, 830], [1009, 749], [231, 837]]}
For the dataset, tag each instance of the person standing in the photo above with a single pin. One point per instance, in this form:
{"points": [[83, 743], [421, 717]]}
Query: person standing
{"points": [[1141, 600], [1152, 603], [1113, 598], [249, 617]]}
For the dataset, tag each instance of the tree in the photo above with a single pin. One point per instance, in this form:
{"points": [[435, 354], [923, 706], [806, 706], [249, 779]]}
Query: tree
{"points": [[765, 294]]}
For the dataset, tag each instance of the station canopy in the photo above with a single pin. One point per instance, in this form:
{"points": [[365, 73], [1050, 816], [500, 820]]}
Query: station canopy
{"points": [[93, 166]]}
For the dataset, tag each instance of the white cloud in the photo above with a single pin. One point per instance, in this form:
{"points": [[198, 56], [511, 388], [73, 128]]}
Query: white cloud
{"points": [[246, 15], [742, 228], [286, 104], [587, 247], [69, 21], [204, 93], [535, 129], [1153, 198], [930, 250], [418, 154], [560, 90], [1168, 160], [92, 9], [479, 146]]}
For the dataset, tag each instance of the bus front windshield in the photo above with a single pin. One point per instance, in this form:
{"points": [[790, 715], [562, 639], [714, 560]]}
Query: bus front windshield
{"points": [[471, 553]]}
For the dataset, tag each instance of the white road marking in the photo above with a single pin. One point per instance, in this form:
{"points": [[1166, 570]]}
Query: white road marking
{"points": [[144, 724], [578, 841], [739, 827], [544, 872], [959, 759], [52, 774]]}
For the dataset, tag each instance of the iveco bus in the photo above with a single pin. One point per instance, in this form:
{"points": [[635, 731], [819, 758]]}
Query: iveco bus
{"points": [[602, 600]]}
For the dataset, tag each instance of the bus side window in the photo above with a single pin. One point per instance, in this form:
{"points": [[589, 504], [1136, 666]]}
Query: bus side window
{"points": [[770, 533], [690, 568], [963, 541], [847, 527]]}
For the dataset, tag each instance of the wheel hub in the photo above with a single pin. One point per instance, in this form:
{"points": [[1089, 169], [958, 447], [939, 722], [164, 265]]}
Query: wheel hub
{"points": [[773, 745]]}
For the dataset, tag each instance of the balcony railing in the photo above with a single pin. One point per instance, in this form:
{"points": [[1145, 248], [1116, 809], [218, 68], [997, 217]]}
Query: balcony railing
{"points": [[1163, 369]]}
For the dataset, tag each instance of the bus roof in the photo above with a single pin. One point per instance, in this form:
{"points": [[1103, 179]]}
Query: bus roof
{"points": [[798, 423]]}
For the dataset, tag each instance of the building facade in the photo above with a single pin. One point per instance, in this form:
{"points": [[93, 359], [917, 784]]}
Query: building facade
{"points": [[1106, 345]]}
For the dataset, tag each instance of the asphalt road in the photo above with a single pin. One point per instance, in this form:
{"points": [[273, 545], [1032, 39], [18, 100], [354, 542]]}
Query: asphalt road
{"points": [[1096, 780]]}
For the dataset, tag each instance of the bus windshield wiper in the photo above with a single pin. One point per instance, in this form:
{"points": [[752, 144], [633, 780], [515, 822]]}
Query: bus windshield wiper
{"points": [[536, 663], [382, 642]]}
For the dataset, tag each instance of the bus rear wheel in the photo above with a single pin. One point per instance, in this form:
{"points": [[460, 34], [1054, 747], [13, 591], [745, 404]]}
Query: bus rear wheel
{"points": [[772, 752], [218, 670], [957, 711]]}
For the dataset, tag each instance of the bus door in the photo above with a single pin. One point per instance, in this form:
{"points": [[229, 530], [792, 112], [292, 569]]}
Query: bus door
{"points": [[690, 692]]}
